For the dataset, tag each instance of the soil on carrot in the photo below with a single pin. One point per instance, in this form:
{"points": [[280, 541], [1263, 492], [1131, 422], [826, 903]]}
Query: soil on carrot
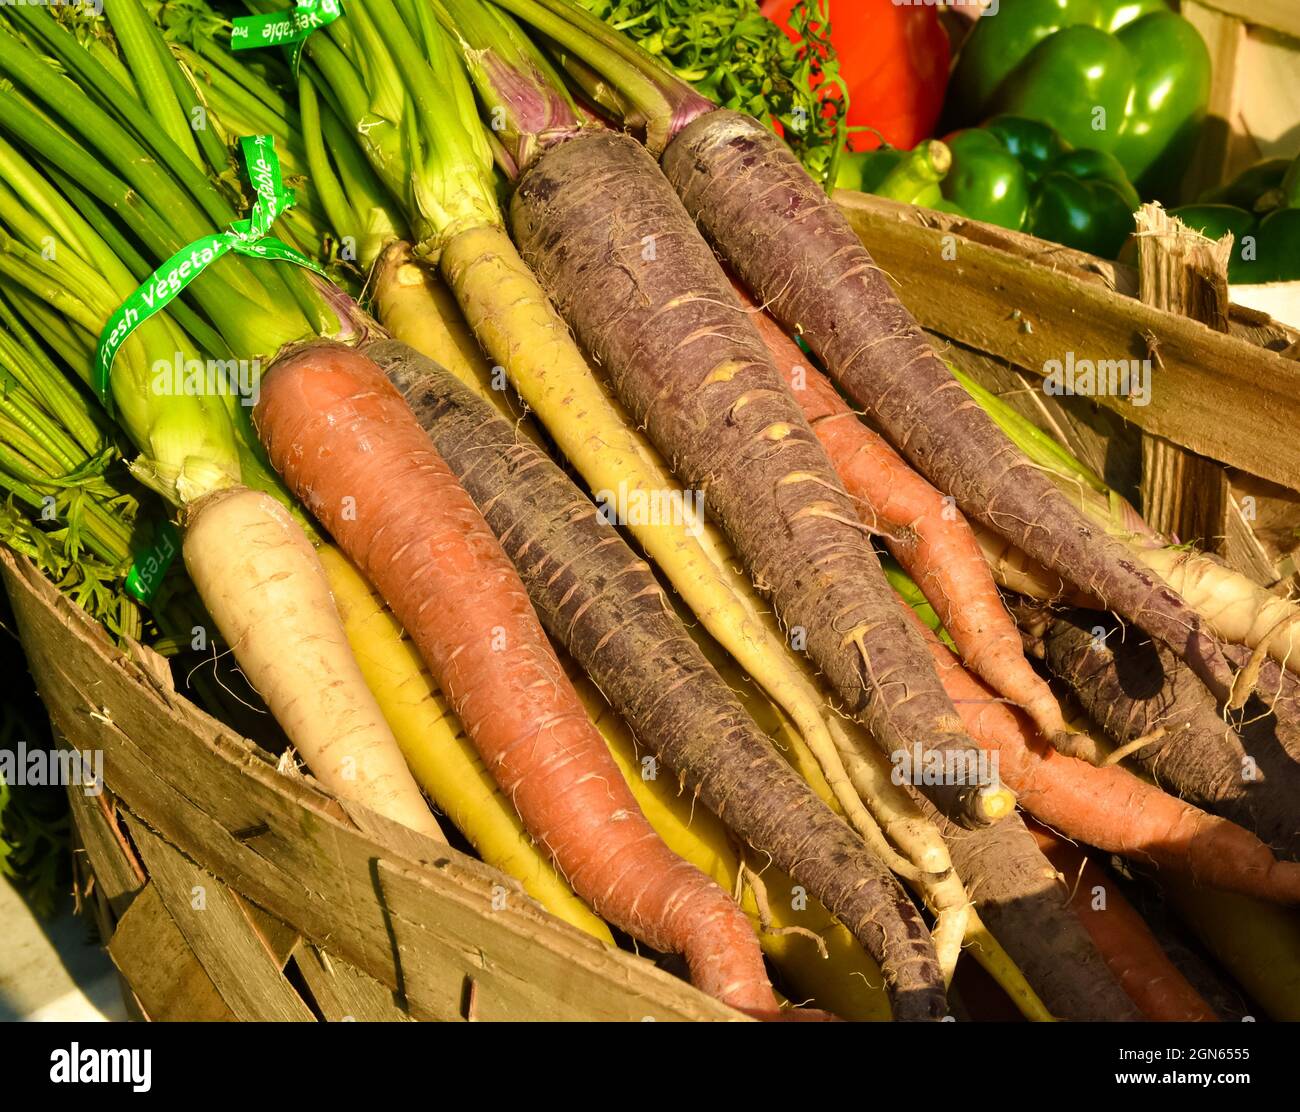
{"points": [[1026, 905]]}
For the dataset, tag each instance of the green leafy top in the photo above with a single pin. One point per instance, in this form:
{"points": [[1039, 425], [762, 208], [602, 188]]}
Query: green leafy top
{"points": [[739, 59]]}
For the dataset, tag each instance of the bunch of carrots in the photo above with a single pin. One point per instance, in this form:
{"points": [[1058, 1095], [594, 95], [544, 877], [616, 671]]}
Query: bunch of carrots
{"points": [[596, 495]]}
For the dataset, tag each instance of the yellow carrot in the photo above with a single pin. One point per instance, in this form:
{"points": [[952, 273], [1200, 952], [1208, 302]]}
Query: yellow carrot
{"points": [[1258, 942], [416, 306]]}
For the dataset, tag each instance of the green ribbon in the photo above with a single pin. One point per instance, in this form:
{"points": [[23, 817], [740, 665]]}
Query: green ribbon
{"points": [[244, 237], [252, 32], [150, 566]]}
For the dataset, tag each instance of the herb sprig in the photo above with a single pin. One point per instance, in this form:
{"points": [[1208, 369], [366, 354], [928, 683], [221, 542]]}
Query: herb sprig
{"points": [[740, 59]]}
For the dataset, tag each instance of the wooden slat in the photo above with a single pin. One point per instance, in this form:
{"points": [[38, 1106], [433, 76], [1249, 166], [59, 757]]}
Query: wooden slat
{"points": [[1256, 327], [280, 940], [1066, 260], [343, 993], [1181, 271], [1214, 394], [1184, 495], [1220, 137], [157, 962], [1260, 330], [1270, 516], [118, 875], [286, 846], [220, 934], [92, 898], [1277, 15]]}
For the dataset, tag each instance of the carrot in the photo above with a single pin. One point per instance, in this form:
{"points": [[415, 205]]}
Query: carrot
{"points": [[796, 252], [345, 442], [1235, 607], [414, 301], [816, 955], [622, 261], [1130, 950], [1018, 894], [317, 693], [604, 606], [1013, 571], [1259, 944], [1132, 688], [924, 531], [1109, 807], [440, 756], [1277, 704]]}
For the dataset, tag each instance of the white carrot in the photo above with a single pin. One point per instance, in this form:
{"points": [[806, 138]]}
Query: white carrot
{"points": [[266, 590]]}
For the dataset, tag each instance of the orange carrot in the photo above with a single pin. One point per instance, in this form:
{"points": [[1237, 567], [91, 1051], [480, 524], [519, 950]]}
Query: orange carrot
{"points": [[1121, 935], [347, 444], [924, 531], [1109, 807]]}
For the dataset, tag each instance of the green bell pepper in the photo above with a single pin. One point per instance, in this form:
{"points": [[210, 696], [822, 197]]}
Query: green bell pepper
{"points": [[910, 176], [1021, 174], [1128, 77], [1033, 142], [865, 170], [1277, 247], [1289, 191], [1214, 220], [1249, 187], [1013, 172], [1261, 208], [1083, 200], [1263, 250], [987, 182]]}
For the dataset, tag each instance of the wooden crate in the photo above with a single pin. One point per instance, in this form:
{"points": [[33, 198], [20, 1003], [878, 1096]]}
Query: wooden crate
{"points": [[230, 890]]}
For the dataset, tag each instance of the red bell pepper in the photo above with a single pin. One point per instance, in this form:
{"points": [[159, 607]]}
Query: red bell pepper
{"points": [[893, 59]]}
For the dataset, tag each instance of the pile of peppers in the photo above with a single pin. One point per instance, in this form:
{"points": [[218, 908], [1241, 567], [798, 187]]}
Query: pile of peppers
{"points": [[1064, 115], [1129, 78], [1013, 172]]}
